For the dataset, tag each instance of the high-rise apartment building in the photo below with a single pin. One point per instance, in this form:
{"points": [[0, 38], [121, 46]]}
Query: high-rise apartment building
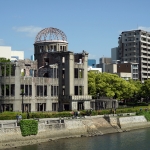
{"points": [[134, 46]]}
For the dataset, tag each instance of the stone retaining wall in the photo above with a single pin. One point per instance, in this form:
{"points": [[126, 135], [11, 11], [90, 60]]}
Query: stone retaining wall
{"points": [[132, 122], [49, 129]]}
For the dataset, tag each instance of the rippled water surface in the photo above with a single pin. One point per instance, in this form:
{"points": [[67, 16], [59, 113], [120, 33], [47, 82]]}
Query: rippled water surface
{"points": [[134, 140]]}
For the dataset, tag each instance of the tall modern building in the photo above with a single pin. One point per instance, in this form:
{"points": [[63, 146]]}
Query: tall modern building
{"points": [[32, 57], [92, 63], [114, 54], [134, 46]]}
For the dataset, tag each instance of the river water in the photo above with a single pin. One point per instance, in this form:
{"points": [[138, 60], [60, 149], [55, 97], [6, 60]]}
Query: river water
{"points": [[133, 140]]}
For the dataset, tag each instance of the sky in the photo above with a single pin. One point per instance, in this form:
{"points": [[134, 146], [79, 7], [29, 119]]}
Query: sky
{"points": [[90, 25]]}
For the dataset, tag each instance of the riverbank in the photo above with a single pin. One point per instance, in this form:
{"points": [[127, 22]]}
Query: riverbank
{"points": [[54, 129]]}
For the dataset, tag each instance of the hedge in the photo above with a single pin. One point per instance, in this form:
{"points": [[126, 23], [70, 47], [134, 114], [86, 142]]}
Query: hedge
{"points": [[137, 104], [28, 127]]}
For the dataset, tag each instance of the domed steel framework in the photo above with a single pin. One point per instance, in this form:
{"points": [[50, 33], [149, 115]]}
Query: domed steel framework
{"points": [[50, 34]]}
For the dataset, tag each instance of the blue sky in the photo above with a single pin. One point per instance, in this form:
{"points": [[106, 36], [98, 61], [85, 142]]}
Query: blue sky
{"points": [[91, 25]]}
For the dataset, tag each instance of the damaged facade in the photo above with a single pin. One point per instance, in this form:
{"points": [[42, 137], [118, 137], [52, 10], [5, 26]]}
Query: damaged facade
{"points": [[55, 81]]}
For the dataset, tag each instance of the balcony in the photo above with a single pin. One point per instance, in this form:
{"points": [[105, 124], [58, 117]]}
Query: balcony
{"points": [[135, 68], [144, 50], [129, 41], [143, 36], [144, 56], [144, 41], [144, 60], [7, 79], [131, 35], [144, 71], [41, 80], [144, 76], [76, 97], [143, 46], [81, 97]]}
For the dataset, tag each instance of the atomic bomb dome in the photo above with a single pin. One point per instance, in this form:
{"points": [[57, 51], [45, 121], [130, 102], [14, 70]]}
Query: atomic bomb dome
{"points": [[51, 34]]}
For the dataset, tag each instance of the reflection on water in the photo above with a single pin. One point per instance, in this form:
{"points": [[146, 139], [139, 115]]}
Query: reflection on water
{"points": [[134, 140]]}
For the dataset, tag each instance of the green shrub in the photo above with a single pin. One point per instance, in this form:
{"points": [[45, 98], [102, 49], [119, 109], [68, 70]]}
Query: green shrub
{"points": [[131, 104], [105, 111], [28, 127], [142, 104], [137, 104], [94, 113]]}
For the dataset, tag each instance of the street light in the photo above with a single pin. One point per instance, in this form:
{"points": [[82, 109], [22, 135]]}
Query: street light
{"points": [[22, 94]]}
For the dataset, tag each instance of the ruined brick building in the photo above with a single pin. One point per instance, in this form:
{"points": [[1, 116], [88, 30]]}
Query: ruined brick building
{"points": [[55, 81]]}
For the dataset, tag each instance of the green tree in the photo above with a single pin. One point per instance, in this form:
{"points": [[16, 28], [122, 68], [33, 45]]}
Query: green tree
{"points": [[146, 88], [91, 83], [2, 61], [5, 60], [138, 89], [110, 85]]}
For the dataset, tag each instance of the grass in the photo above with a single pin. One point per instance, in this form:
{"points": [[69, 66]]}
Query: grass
{"points": [[144, 113], [12, 115]]}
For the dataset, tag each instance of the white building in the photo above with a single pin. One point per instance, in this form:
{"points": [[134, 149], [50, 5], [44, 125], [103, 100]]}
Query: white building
{"points": [[94, 69], [6, 52]]}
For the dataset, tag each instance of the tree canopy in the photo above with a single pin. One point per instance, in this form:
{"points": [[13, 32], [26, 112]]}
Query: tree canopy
{"points": [[112, 86], [5, 60]]}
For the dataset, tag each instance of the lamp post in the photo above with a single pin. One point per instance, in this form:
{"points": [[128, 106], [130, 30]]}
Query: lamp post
{"points": [[22, 94]]}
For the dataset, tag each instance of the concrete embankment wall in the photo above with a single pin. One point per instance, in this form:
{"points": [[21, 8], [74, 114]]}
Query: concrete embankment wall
{"points": [[128, 122], [49, 129], [133, 122]]}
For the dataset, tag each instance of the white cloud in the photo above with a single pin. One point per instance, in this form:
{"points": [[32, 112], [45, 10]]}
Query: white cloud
{"points": [[30, 31], [2, 42], [144, 28], [96, 57], [92, 56]]}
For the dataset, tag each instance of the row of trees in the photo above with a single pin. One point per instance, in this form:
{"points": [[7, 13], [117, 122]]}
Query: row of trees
{"points": [[112, 86]]}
